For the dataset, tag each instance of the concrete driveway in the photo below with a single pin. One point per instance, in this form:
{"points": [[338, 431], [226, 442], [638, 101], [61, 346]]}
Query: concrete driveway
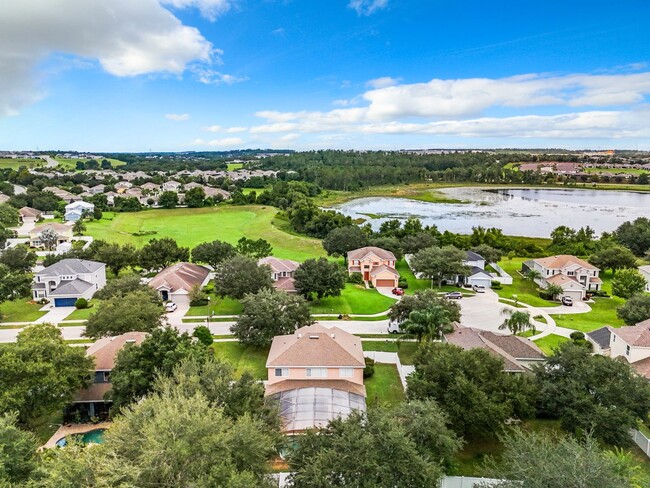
{"points": [[577, 307], [55, 315]]}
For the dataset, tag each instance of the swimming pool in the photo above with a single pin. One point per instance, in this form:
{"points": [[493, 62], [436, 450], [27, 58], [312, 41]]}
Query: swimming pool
{"points": [[91, 437]]}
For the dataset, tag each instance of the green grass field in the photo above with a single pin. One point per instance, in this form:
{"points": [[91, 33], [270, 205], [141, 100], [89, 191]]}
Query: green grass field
{"points": [[84, 313], [71, 163], [354, 299], [243, 358], [550, 342], [405, 350], [11, 163], [235, 166], [525, 290], [384, 387], [20, 311], [624, 171], [217, 306], [192, 226]]}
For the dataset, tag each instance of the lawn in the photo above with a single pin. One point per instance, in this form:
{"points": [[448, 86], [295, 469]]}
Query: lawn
{"points": [[20, 311], [11, 163], [550, 342], [71, 163], [84, 313], [405, 350], [354, 299], [603, 312], [416, 285], [624, 171], [384, 387], [525, 290], [192, 226], [217, 306], [243, 358], [235, 166]]}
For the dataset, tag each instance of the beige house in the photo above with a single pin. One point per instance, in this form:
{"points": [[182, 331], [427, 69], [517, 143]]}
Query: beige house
{"points": [[376, 266], [645, 272], [518, 354], [315, 375], [630, 342], [29, 215], [175, 282], [575, 276], [282, 272], [64, 233]]}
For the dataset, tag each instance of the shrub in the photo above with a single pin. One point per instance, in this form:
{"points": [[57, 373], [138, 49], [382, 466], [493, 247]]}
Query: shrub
{"points": [[203, 334], [545, 295], [599, 293], [402, 283], [356, 278], [369, 370], [199, 303], [496, 285], [81, 303], [577, 336]]}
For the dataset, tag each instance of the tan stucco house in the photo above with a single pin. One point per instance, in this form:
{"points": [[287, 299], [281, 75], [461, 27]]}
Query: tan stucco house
{"points": [[281, 272], [64, 233], [376, 265], [575, 276], [175, 282], [315, 375]]}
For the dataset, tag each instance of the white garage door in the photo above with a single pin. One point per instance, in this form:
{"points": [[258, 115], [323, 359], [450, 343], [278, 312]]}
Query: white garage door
{"points": [[487, 283], [575, 294]]}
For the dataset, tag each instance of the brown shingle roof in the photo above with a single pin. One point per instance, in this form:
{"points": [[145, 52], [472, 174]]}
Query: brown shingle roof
{"points": [[29, 212], [562, 280], [316, 345], [635, 335], [343, 385], [285, 284], [517, 347], [642, 367], [56, 227], [105, 350], [379, 269], [180, 276], [563, 260], [364, 251], [278, 265]]}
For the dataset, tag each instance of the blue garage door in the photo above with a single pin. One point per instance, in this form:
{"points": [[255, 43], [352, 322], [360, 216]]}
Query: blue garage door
{"points": [[64, 302]]}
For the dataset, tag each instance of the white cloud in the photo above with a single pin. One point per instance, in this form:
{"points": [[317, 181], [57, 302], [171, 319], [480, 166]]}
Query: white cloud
{"points": [[126, 38], [278, 32], [289, 137], [383, 82], [234, 130], [367, 7], [227, 142], [213, 128], [210, 9], [212, 77], [178, 117]]}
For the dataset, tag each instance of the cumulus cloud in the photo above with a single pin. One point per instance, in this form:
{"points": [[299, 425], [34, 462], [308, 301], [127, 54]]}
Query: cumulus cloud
{"points": [[126, 38], [210, 9], [367, 7], [178, 117]]}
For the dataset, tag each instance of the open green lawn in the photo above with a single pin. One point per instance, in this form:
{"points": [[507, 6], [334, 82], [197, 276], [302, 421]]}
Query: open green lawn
{"points": [[603, 312], [192, 226], [416, 285], [20, 311], [354, 299], [217, 306], [550, 342], [243, 358], [525, 290], [405, 350], [11, 163], [71, 163], [235, 166], [625, 171], [384, 387], [84, 313]]}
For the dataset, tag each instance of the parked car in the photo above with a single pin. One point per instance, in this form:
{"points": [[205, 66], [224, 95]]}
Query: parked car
{"points": [[398, 291], [395, 327], [478, 288], [454, 295], [568, 301], [170, 307]]}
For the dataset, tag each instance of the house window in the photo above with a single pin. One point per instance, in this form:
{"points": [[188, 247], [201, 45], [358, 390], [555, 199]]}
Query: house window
{"points": [[613, 338], [317, 372], [346, 372], [107, 376], [627, 350], [282, 372], [570, 273]]}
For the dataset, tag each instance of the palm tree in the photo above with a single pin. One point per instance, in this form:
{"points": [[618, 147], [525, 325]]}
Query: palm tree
{"points": [[516, 321], [554, 290], [533, 275], [428, 324], [79, 227]]}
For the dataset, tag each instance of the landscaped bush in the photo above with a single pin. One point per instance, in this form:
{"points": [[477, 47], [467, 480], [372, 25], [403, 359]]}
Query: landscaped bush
{"points": [[369, 370], [203, 334], [496, 285], [599, 293], [402, 283], [356, 278], [545, 295], [201, 302], [577, 336], [81, 303]]}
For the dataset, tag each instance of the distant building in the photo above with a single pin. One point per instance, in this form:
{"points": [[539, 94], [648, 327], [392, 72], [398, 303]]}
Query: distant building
{"points": [[68, 280], [64, 233], [175, 282], [282, 272], [376, 265], [30, 215], [75, 211], [575, 276], [631, 343]]}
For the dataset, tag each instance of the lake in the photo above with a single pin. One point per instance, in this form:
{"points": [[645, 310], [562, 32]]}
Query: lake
{"points": [[524, 212]]}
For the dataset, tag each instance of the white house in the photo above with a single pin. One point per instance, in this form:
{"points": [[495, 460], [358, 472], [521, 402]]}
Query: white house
{"points": [[477, 275], [631, 343], [69, 279], [171, 185], [575, 276], [75, 210], [645, 272]]}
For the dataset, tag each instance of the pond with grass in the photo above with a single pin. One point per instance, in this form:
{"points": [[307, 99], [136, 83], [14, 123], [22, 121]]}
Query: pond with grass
{"points": [[522, 211]]}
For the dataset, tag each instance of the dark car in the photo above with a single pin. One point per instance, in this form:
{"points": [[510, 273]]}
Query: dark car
{"points": [[454, 295]]}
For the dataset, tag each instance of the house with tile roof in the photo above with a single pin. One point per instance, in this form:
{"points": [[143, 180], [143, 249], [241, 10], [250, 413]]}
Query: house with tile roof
{"points": [[29, 215], [91, 401], [376, 265], [281, 272], [63, 232], [575, 276], [175, 282], [315, 375], [630, 342], [68, 280], [518, 354]]}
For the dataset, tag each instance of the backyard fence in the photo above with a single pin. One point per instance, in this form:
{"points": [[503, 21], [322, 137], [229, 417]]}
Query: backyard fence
{"points": [[642, 441], [391, 358], [503, 277]]}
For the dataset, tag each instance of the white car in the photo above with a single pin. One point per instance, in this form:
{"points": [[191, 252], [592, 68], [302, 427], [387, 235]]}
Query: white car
{"points": [[170, 307], [478, 288]]}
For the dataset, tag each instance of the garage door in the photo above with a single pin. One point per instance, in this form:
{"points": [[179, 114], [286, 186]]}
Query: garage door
{"points": [[575, 294], [64, 302], [480, 281], [385, 283]]}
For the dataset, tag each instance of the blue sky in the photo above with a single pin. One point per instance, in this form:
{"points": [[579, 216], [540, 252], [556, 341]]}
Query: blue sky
{"points": [[177, 75]]}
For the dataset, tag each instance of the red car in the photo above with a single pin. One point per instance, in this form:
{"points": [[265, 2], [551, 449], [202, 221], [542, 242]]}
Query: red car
{"points": [[398, 291]]}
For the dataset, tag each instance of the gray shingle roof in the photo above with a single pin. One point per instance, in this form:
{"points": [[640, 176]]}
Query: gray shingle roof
{"points": [[74, 287], [601, 337], [472, 256], [71, 266]]}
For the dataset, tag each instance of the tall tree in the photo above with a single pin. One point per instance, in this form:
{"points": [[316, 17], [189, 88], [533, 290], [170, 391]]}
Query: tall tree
{"points": [[421, 300], [17, 452], [160, 253], [213, 253], [592, 393], [319, 277], [339, 242], [269, 313], [195, 197], [168, 199], [49, 238], [40, 373], [428, 324], [125, 285], [516, 321], [117, 257], [635, 310], [635, 235], [9, 216], [132, 312], [18, 259], [438, 263], [628, 282], [79, 227], [614, 258], [258, 249], [491, 254], [240, 275]]}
